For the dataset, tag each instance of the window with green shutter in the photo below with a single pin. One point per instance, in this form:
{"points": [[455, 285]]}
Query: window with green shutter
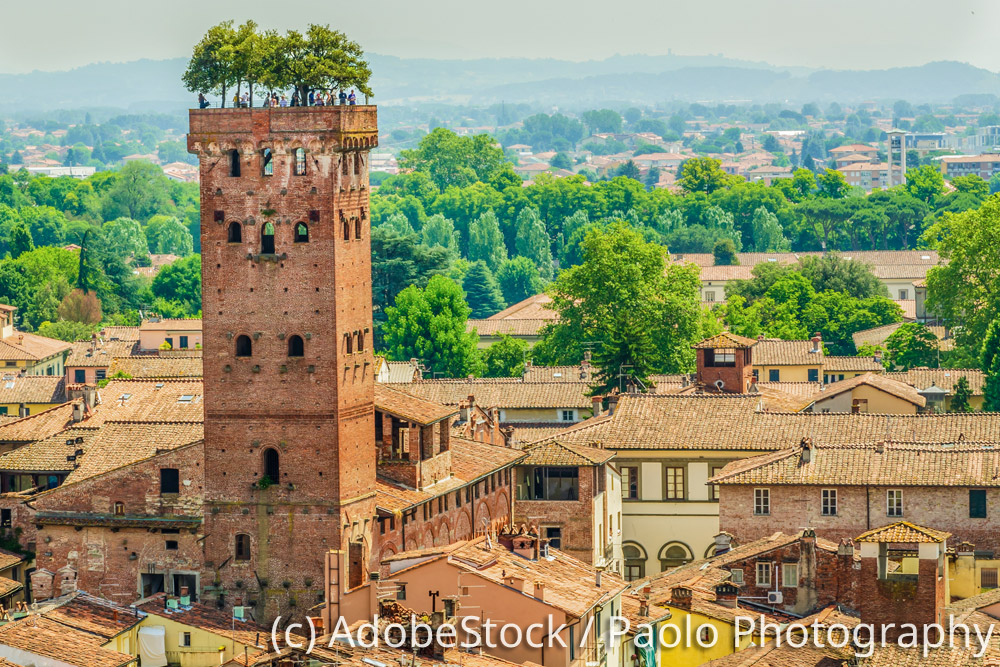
{"points": [[977, 503]]}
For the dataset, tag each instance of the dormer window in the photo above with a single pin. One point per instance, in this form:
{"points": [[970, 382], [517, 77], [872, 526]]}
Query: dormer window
{"points": [[720, 357]]}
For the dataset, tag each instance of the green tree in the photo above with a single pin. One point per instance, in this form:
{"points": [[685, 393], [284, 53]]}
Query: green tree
{"points": [[964, 290], [486, 241], [166, 235], [972, 184], [430, 324], [832, 272], [767, 233], [703, 174], [643, 313], [724, 253], [180, 282], [439, 231], [533, 241], [991, 368], [909, 346], [924, 183], [210, 69], [129, 240], [962, 392], [482, 292], [20, 240], [505, 358], [832, 184], [67, 330], [603, 120], [321, 59], [139, 191], [519, 279], [453, 160]]}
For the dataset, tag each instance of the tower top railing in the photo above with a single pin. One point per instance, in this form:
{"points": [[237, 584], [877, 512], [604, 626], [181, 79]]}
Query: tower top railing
{"points": [[266, 120]]}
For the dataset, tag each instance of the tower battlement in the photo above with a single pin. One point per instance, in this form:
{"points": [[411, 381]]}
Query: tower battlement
{"points": [[345, 127]]}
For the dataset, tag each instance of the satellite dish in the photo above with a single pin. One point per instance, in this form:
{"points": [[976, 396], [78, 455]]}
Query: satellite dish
{"points": [[719, 384]]}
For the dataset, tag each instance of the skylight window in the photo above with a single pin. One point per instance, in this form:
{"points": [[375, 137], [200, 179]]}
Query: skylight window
{"points": [[125, 397], [186, 398]]}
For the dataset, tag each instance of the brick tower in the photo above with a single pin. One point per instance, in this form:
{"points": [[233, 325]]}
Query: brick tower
{"points": [[287, 317]]}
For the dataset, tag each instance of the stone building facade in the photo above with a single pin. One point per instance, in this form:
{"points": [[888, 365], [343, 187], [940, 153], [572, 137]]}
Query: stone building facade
{"points": [[287, 335]]}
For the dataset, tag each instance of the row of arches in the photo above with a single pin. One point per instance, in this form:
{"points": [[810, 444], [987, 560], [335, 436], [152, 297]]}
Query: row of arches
{"points": [[296, 346], [267, 162], [672, 554]]}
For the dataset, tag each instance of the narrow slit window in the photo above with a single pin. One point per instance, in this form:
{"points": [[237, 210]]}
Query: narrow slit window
{"points": [[343, 164], [348, 343], [347, 230], [267, 239], [357, 164], [234, 163], [300, 162], [357, 228], [272, 465], [267, 162]]}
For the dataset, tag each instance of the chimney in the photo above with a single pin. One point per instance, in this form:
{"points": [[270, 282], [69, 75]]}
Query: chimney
{"points": [[846, 548], [760, 337], [90, 396], [596, 405], [723, 543], [517, 583], [464, 411], [540, 590], [585, 366], [817, 341], [77, 412], [808, 536], [727, 594], [807, 449], [685, 381], [878, 357], [680, 596], [612, 404]]}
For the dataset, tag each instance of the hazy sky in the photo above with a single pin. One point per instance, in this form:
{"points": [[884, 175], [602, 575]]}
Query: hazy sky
{"points": [[866, 34]]}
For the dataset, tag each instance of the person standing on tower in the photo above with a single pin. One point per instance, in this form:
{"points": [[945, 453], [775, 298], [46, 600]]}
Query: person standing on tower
{"points": [[342, 97], [352, 99]]}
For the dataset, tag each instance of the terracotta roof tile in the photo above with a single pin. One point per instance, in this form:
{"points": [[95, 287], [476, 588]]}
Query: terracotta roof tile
{"points": [[147, 367], [504, 393], [210, 619], [886, 264], [511, 327], [150, 400], [48, 455], [735, 422], [39, 425], [777, 352], [120, 333], [834, 364], [883, 383], [87, 354], [171, 325], [903, 532], [555, 453], [726, 340], [945, 378], [33, 389], [94, 615], [30, 347], [9, 559], [123, 443], [961, 464], [580, 373], [409, 407], [42, 637], [532, 308]]}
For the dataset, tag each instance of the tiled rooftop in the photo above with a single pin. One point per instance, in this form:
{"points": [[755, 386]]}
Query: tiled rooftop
{"points": [[40, 425], [835, 364], [532, 308], [123, 443], [40, 636], [883, 383], [777, 352], [30, 347], [205, 617], [504, 393], [151, 400], [408, 407], [153, 367], [511, 327], [33, 389], [945, 378], [903, 532], [171, 325], [82, 611], [556, 453], [87, 354]]}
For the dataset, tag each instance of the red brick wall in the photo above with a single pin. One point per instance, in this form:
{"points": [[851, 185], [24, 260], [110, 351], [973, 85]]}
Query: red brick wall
{"points": [[735, 379], [458, 522], [575, 517], [918, 600], [824, 577], [859, 509], [109, 561], [316, 410]]}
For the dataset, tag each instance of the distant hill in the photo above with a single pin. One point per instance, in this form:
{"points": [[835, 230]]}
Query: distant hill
{"points": [[145, 85]]}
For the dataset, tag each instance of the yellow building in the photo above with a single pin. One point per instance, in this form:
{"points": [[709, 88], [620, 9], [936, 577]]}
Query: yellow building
{"points": [[868, 393], [935, 380], [21, 396], [196, 635], [776, 360], [29, 354]]}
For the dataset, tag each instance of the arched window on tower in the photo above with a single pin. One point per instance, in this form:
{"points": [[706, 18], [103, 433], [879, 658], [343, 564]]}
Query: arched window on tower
{"points": [[300, 162], [301, 233], [348, 343], [244, 347], [267, 239], [242, 551], [267, 162], [347, 230], [235, 232], [272, 465], [296, 347], [234, 163]]}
